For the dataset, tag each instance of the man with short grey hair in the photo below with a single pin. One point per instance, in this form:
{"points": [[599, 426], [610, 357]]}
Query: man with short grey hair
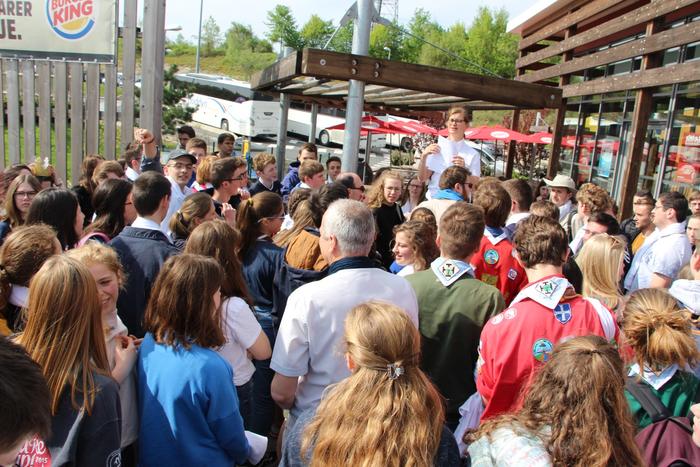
{"points": [[306, 357]]}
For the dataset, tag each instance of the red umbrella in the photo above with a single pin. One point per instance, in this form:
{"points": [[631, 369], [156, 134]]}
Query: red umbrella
{"points": [[412, 127], [369, 124], [467, 133], [495, 133], [540, 138]]}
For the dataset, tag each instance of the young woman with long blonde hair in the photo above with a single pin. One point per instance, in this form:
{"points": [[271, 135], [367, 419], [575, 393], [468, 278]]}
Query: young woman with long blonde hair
{"points": [[64, 336], [601, 261], [386, 413], [414, 246], [574, 414], [660, 335], [383, 200]]}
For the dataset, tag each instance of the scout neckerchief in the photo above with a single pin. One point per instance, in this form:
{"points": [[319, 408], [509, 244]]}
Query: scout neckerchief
{"points": [[655, 380], [448, 193], [495, 235], [449, 270], [547, 292]]}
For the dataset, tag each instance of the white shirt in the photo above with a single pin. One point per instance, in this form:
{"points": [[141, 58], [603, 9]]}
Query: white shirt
{"points": [[565, 209], [663, 252], [512, 222], [310, 339], [438, 162], [143, 223], [406, 270], [177, 197], [131, 174], [241, 330]]}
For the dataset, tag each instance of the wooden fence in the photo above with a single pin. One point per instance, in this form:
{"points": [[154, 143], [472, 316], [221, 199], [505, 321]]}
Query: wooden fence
{"points": [[65, 110]]}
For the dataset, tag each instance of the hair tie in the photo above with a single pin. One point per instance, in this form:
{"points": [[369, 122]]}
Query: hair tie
{"points": [[394, 370], [180, 217], [250, 202]]}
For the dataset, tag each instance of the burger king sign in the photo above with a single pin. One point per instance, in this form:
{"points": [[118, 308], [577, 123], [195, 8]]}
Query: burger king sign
{"points": [[71, 19]]}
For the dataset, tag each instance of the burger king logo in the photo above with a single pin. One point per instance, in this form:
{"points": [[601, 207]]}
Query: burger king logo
{"points": [[71, 19]]}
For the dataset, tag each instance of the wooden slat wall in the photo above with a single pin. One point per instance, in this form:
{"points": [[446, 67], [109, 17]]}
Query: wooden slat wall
{"points": [[92, 109], [28, 122], [76, 115], [12, 76], [60, 94], [43, 88]]}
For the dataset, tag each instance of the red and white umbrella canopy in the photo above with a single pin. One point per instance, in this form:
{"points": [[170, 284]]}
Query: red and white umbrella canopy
{"points": [[540, 138]]}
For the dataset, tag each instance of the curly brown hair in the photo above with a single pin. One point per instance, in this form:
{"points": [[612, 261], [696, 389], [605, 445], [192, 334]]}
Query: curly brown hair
{"points": [[421, 238], [586, 411]]}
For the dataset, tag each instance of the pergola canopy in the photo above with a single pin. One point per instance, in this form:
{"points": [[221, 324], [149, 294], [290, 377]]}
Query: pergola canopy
{"points": [[322, 77]]}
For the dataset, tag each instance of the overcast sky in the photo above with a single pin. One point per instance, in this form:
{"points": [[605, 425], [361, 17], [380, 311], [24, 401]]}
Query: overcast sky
{"points": [[185, 13]]}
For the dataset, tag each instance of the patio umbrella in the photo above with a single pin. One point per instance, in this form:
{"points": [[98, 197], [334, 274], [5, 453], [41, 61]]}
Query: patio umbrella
{"points": [[495, 133], [540, 138]]}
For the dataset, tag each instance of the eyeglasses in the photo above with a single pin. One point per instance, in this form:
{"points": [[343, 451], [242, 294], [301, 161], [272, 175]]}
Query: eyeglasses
{"points": [[25, 194], [242, 176], [361, 188], [281, 216]]}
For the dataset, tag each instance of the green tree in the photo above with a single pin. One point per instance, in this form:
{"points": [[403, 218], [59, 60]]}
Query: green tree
{"points": [[245, 52], [174, 112], [383, 37], [453, 40], [283, 27], [211, 38], [490, 45], [316, 32], [421, 25], [342, 41]]}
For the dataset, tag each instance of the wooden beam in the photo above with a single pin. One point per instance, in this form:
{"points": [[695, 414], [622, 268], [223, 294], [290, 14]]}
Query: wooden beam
{"points": [[553, 164], [654, 43], [639, 79], [512, 145], [633, 18], [280, 71], [640, 121], [333, 65], [570, 19]]}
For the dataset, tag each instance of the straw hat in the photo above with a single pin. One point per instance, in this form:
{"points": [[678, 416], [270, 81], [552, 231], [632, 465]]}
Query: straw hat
{"points": [[562, 181]]}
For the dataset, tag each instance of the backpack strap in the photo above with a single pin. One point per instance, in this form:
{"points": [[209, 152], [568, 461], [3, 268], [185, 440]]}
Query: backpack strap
{"points": [[647, 399]]}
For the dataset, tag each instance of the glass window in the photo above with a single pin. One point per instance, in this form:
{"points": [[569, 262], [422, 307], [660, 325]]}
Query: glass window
{"points": [[607, 143], [655, 139], [582, 157], [682, 167], [692, 52], [670, 56], [617, 68], [568, 137]]}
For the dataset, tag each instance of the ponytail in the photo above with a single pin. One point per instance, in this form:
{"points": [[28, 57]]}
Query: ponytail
{"points": [[658, 330], [250, 214], [195, 206]]}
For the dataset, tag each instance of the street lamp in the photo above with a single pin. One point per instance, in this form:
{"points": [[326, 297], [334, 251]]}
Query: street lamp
{"points": [[199, 36], [388, 49]]}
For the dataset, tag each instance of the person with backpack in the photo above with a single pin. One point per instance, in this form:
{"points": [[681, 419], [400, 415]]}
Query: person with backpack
{"points": [[659, 334], [659, 390]]}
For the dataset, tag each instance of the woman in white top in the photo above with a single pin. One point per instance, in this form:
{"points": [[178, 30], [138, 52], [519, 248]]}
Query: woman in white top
{"points": [[413, 195], [244, 336], [414, 246], [449, 151]]}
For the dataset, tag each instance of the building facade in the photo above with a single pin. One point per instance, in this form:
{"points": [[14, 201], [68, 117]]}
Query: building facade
{"points": [[629, 71]]}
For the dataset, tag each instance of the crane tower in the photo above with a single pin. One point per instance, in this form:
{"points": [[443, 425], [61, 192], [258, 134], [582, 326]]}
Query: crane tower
{"points": [[388, 9]]}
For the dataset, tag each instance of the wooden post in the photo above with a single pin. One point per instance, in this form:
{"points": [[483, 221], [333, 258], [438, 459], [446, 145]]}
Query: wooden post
{"points": [[640, 121], [152, 67], [60, 117], [512, 146], [44, 91], [129, 71], [28, 109], [12, 73], [76, 120], [553, 165]]}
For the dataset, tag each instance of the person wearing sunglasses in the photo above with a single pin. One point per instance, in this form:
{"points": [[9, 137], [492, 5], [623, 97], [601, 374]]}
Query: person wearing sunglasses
{"points": [[229, 176], [352, 181], [448, 152]]}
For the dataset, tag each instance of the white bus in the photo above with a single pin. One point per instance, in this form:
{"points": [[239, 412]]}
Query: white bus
{"points": [[299, 123], [231, 105]]}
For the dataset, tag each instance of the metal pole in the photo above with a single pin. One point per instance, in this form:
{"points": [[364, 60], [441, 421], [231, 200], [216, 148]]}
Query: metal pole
{"points": [[356, 93], [199, 36], [281, 149], [314, 119]]}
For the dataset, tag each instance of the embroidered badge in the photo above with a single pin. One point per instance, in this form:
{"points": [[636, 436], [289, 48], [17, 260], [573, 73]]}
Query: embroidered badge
{"points": [[489, 279], [510, 313], [497, 319], [562, 313], [512, 274], [546, 288], [542, 350], [448, 269], [491, 256]]}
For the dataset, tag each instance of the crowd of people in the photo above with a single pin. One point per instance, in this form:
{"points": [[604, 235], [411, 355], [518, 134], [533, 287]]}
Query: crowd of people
{"points": [[177, 314]]}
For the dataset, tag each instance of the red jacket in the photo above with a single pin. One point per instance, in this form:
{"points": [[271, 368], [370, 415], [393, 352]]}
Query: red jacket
{"points": [[517, 341], [495, 265]]}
